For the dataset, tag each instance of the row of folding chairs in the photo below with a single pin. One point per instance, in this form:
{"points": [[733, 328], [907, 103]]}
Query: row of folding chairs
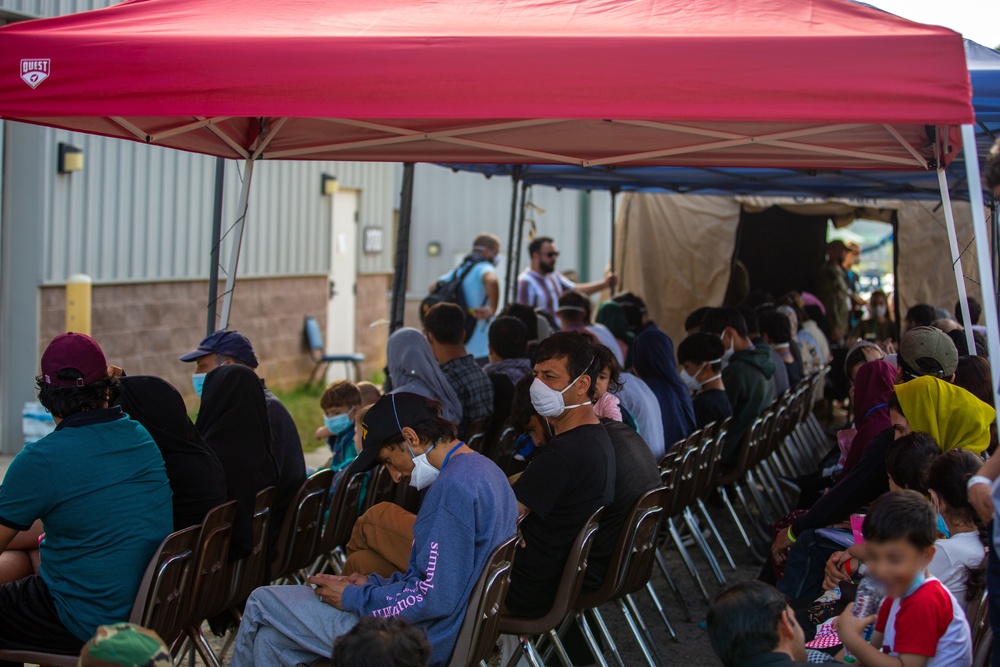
{"points": [[188, 580], [784, 442]]}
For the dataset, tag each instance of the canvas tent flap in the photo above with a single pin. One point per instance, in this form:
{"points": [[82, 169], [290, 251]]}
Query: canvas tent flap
{"points": [[675, 252], [745, 83], [924, 271]]}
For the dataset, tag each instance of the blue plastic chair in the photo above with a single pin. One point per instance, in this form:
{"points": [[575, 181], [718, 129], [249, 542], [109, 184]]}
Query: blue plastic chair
{"points": [[314, 336]]}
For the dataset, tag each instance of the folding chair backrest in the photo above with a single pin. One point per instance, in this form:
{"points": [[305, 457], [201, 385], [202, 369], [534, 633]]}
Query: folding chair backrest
{"points": [[162, 599], [314, 336], [476, 427], [631, 562], [299, 537], [211, 586], [252, 571], [381, 489], [982, 634], [477, 637], [568, 590], [342, 514]]}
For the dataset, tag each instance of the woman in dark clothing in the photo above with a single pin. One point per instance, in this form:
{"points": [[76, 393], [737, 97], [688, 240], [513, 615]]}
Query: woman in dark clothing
{"points": [[233, 422], [194, 471], [873, 385], [653, 359]]}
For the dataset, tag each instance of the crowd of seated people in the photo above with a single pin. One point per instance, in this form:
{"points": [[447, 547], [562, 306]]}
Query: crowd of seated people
{"points": [[594, 403]]}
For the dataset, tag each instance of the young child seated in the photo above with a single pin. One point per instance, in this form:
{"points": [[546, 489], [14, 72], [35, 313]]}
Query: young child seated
{"points": [[920, 623], [609, 383], [340, 403], [959, 556]]}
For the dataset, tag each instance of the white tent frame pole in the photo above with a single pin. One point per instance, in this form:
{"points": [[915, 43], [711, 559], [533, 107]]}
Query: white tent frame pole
{"points": [[956, 258], [983, 253], [243, 208]]}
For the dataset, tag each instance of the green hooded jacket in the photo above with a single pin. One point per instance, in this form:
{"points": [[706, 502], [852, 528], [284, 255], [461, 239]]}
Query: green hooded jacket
{"points": [[750, 389]]}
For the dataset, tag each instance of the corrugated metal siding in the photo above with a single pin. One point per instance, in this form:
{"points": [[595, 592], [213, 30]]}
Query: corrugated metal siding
{"points": [[451, 208], [39, 8], [141, 213]]}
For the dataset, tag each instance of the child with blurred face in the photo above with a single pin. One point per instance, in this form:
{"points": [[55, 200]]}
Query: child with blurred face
{"points": [[920, 623]]}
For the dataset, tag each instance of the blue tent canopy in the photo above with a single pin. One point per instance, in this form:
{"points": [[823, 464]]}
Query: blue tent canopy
{"points": [[984, 71]]}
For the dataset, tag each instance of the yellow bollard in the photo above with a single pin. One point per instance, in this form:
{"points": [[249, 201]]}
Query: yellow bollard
{"points": [[78, 289]]}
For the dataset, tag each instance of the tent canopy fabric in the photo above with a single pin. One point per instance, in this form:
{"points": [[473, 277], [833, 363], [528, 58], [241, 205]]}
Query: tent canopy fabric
{"points": [[984, 72], [737, 83]]}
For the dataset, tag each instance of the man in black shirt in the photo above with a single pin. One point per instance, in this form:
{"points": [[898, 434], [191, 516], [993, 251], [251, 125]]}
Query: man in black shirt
{"points": [[700, 357], [636, 472], [568, 479]]}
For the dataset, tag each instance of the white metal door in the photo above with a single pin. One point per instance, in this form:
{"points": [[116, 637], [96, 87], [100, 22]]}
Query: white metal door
{"points": [[341, 309]]}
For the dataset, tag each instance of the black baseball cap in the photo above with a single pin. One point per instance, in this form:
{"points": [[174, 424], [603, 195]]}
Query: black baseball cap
{"points": [[385, 420], [228, 343]]}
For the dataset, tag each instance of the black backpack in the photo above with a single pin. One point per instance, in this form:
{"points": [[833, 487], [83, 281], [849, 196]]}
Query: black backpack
{"points": [[450, 291]]}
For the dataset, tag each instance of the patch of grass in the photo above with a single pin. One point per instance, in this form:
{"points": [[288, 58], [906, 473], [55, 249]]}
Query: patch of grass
{"points": [[303, 404]]}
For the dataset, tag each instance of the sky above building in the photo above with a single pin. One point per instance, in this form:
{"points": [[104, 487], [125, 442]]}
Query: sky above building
{"points": [[978, 20]]}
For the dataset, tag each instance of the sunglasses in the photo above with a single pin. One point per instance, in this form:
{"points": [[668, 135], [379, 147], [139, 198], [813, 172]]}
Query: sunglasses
{"points": [[552, 254]]}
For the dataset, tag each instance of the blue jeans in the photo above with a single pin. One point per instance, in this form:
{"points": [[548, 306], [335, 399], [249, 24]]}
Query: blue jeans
{"points": [[993, 587], [804, 568], [287, 625]]}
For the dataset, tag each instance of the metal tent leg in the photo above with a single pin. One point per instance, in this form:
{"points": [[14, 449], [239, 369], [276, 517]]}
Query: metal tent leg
{"points": [[982, 245], [242, 209]]}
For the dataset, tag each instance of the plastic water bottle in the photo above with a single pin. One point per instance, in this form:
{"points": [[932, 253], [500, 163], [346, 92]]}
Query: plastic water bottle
{"points": [[866, 603]]}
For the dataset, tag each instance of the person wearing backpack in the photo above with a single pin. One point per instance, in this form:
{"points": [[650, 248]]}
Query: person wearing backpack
{"points": [[473, 286]]}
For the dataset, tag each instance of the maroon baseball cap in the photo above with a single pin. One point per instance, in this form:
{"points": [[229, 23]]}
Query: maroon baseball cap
{"points": [[77, 351]]}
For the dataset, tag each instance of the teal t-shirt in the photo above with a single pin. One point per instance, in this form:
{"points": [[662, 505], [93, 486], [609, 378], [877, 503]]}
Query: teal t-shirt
{"points": [[99, 486]]}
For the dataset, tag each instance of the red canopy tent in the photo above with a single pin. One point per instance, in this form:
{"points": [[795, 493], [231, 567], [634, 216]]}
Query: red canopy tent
{"points": [[793, 83], [783, 83]]}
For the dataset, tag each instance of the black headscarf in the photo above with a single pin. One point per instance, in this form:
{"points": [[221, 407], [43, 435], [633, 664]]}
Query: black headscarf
{"points": [[233, 422], [194, 471]]}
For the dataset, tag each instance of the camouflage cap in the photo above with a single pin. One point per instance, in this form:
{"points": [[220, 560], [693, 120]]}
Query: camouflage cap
{"points": [[125, 645]]}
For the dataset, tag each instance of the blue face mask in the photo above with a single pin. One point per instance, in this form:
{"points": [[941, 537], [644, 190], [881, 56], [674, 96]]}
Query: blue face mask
{"points": [[198, 382], [942, 527], [918, 581], [338, 423]]}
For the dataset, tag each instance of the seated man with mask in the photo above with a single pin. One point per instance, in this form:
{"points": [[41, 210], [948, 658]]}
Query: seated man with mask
{"points": [[468, 511], [568, 479]]}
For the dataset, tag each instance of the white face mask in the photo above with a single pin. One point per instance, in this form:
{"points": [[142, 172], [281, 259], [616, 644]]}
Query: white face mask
{"points": [[880, 311], [549, 402], [690, 382], [423, 473], [727, 355]]}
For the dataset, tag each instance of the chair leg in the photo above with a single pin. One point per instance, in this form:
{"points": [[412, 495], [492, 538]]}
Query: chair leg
{"points": [[602, 628], [560, 649], [662, 612], [634, 608], [592, 644], [754, 487], [673, 585], [204, 650], [750, 515], [686, 557], [736, 519], [639, 639], [715, 533], [699, 539]]}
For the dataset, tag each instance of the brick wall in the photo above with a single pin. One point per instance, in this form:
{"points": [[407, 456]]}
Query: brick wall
{"points": [[372, 320], [144, 327]]}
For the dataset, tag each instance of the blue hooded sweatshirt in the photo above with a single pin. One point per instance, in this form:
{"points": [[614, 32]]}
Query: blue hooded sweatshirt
{"points": [[467, 513]]}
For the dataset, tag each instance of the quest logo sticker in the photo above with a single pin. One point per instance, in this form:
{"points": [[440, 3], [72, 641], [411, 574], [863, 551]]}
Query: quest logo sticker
{"points": [[34, 71]]}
